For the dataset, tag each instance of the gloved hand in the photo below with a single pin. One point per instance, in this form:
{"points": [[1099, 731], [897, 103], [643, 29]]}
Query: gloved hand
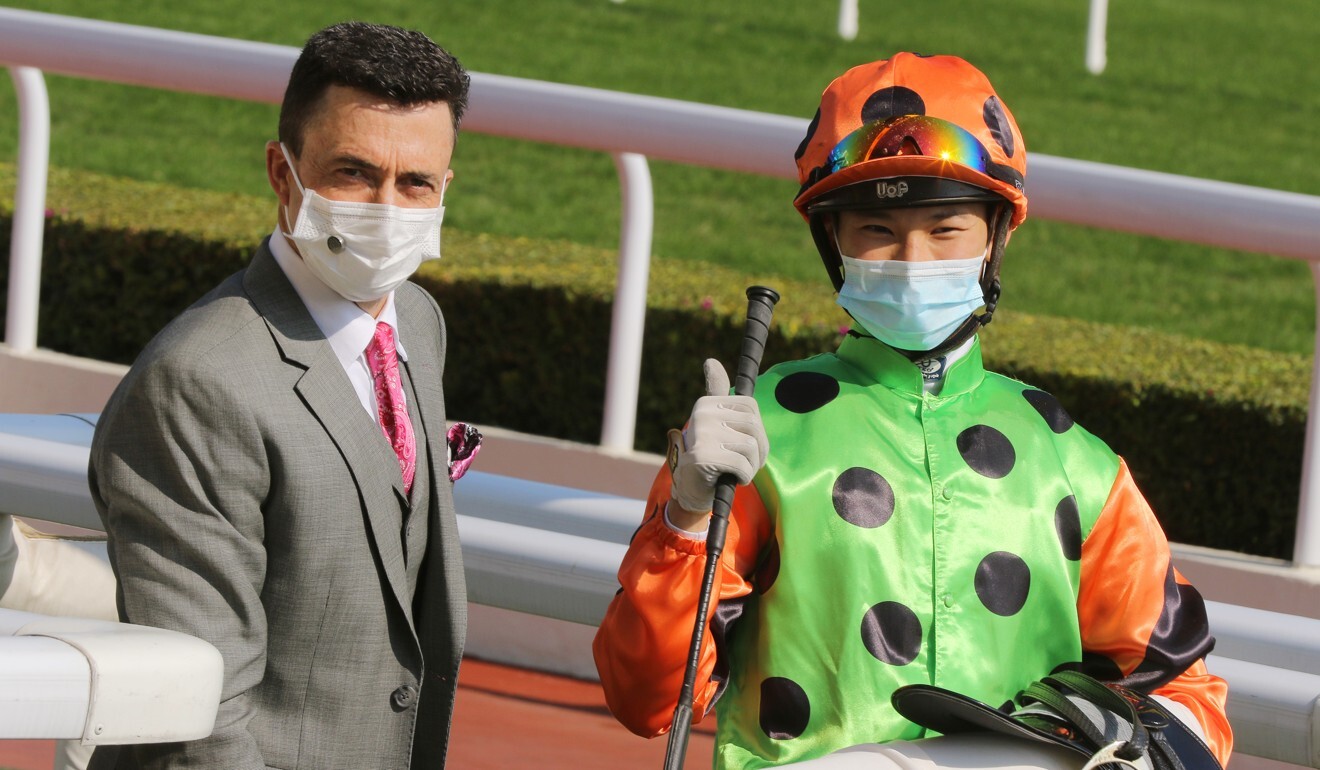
{"points": [[723, 435]]}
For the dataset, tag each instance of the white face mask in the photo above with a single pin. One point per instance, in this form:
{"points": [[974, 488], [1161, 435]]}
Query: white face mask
{"points": [[911, 305], [362, 250]]}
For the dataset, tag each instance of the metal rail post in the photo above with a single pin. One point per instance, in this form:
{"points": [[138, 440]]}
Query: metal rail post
{"points": [[1306, 545], [848, 19], [1095, 36], [29, 209], [624, 373]]}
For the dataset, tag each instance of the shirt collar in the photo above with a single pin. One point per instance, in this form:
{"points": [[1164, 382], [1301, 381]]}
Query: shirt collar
{"points": [[890, 368], [347, 327]]}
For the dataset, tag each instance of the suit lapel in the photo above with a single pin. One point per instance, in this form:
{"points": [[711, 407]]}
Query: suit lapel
{"points": [[326, 391]]}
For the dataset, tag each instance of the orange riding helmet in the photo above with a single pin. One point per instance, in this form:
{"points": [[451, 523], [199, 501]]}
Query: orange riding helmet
{"points": [[912, 130]]}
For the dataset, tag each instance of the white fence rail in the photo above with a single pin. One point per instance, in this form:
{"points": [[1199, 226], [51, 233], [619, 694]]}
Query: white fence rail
{"points": [[631, 128]]}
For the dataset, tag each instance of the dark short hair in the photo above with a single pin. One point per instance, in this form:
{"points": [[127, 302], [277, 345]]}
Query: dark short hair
{"points": [[401, 65]]}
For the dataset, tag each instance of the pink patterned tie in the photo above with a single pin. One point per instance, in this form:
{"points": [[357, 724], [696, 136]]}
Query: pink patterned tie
{"points": [[383, 360]]}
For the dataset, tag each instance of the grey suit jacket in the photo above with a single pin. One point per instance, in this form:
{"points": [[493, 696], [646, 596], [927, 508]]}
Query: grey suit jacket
{"points": [[252, 502]]}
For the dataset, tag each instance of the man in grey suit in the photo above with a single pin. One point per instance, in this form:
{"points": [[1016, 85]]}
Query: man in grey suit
{"points": [[273, 471]]}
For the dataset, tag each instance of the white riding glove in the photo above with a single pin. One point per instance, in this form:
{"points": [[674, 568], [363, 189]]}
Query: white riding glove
{"points": [[724, 435]]}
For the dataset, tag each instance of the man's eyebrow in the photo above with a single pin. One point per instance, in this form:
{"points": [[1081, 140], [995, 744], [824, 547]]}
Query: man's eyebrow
{"points": [[356, 162], [425, 176], [353, 160]]}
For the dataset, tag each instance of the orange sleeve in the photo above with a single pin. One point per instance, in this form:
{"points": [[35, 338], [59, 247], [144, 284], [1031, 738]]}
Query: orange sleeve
{"points": [[641, 647], [1138, 613]]}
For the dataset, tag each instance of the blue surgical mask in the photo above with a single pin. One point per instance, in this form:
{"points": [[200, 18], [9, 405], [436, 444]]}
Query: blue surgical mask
{"points": [[911, 305]]}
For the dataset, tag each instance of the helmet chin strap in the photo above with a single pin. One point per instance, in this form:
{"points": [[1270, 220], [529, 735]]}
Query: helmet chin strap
{"points": [[990, 288]]}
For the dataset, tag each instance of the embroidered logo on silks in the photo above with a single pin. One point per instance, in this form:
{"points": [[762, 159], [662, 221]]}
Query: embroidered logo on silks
{"points": [[932, 368]]}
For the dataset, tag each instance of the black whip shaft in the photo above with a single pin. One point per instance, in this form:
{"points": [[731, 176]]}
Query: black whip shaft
{"points": [[760, 307]]}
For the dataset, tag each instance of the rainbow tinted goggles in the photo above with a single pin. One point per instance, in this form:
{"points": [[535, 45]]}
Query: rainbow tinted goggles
{"points": [[910, 135]]}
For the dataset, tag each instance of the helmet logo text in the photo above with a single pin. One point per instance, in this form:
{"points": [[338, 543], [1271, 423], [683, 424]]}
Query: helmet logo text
{"points": [[887, 190]]}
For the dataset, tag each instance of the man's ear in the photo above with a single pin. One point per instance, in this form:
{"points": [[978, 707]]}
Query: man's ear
{"points": [[277, 173]]}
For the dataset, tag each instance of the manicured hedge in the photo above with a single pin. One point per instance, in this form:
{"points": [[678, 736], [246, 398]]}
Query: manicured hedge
{"points": [[1213, 433]]}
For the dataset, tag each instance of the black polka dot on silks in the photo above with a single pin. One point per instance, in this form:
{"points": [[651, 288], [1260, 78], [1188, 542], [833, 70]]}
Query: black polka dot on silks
{"points": [[1068, 525], [785, 708], [1049, 407], [892, 633], [1002, 583], [892, 101], [768, 570], [863, 497], [987, 451], [803, 392], [996, 119]]}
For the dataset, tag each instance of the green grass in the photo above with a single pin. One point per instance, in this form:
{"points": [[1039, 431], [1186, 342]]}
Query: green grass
{"points": [[1216, 88]]}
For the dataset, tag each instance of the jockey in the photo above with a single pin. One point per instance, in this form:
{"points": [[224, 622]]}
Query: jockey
{"points": [[905, 517]]}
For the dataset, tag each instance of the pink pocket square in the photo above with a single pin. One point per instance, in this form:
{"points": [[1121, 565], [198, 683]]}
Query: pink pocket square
{"points": [[464, 444]]}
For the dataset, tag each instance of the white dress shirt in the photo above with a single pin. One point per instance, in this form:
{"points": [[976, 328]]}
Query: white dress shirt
{"points": [[347, 327]]}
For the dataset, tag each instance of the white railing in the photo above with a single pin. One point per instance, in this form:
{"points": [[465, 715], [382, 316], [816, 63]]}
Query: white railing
{"points": [[104, 683], [29, 208], [632, 128]]}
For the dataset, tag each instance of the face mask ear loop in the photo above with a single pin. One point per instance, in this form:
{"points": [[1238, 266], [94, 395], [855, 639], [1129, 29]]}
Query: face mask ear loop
{"points": [[825, 245], [834, 234], [301, 190], [285, 152]]}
